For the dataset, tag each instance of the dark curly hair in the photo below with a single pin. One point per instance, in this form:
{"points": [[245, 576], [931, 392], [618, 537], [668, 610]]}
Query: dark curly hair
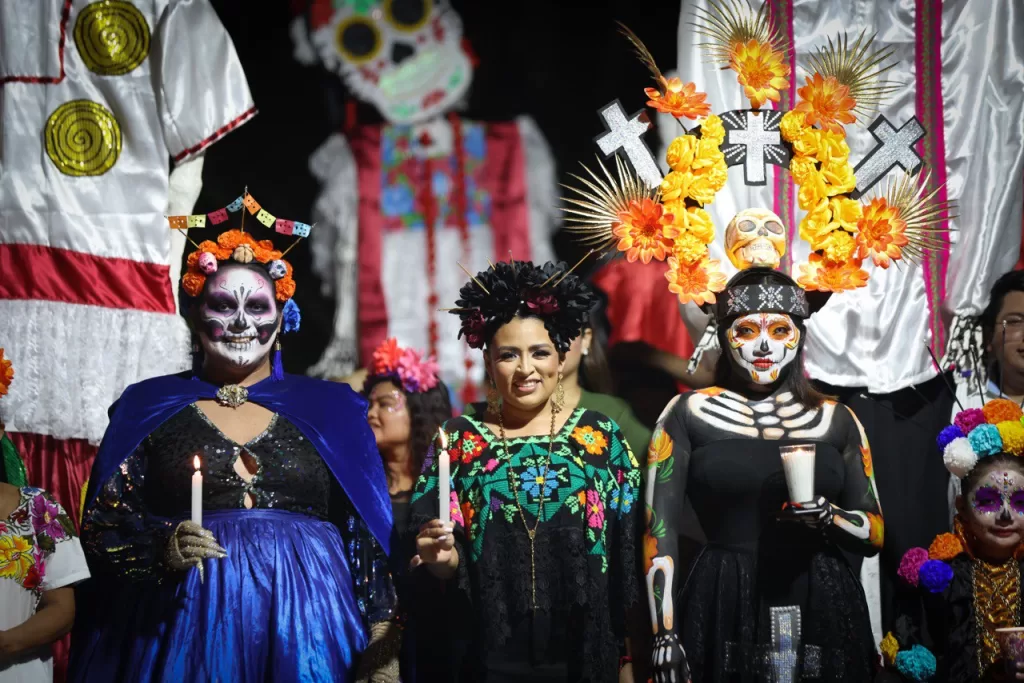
{"points": [[511, 289], [428, 410], [1010, 282]]}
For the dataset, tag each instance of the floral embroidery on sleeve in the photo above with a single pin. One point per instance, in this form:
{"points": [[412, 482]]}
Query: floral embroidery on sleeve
{"points": [[34, 529]]}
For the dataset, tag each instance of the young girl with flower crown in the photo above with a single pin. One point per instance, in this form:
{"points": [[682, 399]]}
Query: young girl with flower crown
{"points": [[968, 582]]}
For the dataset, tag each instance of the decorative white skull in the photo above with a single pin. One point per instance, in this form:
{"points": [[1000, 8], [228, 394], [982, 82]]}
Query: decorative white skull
{"points": [[755, 237], [403, 56]]}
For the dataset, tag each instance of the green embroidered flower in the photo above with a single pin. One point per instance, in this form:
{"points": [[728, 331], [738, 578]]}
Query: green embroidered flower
{"points": [[358, 6]]}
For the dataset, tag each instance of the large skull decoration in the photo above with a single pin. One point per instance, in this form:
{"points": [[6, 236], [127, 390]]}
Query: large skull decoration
{"points": [[755, 237], [403, 56]]}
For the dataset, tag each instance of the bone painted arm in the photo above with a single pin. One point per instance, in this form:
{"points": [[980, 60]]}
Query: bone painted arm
{"points": [[668, 459], [857, 519]]}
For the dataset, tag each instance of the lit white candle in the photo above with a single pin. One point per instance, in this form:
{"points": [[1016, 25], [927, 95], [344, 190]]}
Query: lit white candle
{"points": [[197, 493], [798, 466], [444, 477]]}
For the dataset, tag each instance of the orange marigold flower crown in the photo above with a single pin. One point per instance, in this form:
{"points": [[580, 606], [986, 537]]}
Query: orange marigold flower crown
{"points": [[649, 217], [240, 247]]}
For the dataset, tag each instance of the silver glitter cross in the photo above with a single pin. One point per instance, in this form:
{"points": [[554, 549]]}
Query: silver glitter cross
{"points": [[785, 643], [894, 148], [750, 140], [627, 135]]}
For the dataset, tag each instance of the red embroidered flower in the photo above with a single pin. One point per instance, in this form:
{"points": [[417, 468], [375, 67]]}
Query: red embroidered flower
{"points": [[470, 447]]}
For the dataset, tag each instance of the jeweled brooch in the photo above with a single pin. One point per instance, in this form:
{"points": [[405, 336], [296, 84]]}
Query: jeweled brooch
{"points": [[232, 395]]}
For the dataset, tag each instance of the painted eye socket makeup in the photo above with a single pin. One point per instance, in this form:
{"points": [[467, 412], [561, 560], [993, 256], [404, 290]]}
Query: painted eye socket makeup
{"points": [[987, 499], [1017, 501], [393, 402]]}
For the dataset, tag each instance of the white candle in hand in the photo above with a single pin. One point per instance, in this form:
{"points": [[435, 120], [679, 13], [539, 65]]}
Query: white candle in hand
{"points": [[444, 477], [197, 493]]}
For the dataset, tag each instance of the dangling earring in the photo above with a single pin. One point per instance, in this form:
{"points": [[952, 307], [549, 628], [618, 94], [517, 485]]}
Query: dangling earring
{"points": [[558, 400], [493, 399], [276, 364]]}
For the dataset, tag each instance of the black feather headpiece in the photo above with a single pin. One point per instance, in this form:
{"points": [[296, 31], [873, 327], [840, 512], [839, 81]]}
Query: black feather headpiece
{"points": [[510, 289]]}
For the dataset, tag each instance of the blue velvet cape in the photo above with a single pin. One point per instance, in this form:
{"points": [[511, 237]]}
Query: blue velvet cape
{"points": [[331, 415]]}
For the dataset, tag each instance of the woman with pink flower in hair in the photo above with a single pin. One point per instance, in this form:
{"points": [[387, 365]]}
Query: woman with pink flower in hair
{"points": [[408, 403]]}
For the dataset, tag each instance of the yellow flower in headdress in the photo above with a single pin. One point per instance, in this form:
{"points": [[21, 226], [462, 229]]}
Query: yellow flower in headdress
{"points": [[1012, 434], [689, 248], [815, 226], [812, 190], [827, 102], [846, 213], [839, 176], [838, 247], [831, 147], [712, 129], [695, 221], [760, 71], [676, 185], [793, 125], [680, 153], [801, 167]]}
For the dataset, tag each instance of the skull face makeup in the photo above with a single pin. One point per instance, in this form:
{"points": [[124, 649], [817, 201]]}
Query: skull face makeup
{"points": [[238, 317], [994, 511], [403, 56], [755, 237], [762, 344]]}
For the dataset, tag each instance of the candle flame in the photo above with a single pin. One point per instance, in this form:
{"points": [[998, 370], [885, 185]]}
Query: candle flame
{"points": [[443, 438], [195, 461]]}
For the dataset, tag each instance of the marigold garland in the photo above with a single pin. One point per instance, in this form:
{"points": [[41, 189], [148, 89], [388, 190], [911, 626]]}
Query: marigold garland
{"points": [[193, 281], [945, 547], [6, 374]]}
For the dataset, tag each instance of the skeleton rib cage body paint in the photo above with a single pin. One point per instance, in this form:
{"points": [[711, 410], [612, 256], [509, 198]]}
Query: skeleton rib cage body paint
{"points": [[717, 424]]}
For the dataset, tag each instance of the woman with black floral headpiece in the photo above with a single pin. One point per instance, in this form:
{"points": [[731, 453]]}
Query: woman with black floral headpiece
{"points": [[540, 541]]}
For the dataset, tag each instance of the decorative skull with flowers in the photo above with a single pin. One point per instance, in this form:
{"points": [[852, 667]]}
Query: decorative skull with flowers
{"points": [[403, 56]]}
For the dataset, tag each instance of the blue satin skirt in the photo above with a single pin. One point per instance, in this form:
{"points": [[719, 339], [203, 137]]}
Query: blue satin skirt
{"points": [[280, 607]]}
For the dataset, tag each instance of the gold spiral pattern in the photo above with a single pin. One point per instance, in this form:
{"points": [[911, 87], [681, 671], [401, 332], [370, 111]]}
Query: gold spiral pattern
{"points": [[112, 37], [83, 138]]}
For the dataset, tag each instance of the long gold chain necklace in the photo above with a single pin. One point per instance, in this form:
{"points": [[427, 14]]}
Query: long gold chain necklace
{"points": [[543, 479], [996, 605]]}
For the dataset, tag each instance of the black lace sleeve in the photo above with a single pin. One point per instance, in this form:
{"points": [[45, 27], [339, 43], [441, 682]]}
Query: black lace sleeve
{"points": [[622, 573], [119, 534], [371, 573]]}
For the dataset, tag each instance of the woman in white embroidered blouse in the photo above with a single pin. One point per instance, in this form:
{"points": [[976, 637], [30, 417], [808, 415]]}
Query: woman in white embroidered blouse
{"points": [[40, 560]]}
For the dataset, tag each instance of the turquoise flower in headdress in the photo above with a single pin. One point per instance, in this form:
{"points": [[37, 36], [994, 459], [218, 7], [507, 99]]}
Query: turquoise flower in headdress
{"points": [[985, 440]]}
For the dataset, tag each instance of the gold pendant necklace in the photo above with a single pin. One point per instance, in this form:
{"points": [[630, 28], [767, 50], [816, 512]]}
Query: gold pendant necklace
{"points": [[514, 483]]}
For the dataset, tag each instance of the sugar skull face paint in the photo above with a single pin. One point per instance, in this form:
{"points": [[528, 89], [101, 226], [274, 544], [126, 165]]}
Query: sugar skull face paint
{"points": [[238, 317], [762, 344], [994, 511]]}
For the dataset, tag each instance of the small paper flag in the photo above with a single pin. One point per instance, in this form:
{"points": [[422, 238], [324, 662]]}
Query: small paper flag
{"points": [[178, 222], [301, 229], [197, 221], [235, 205], [285, 227], [266, 218], [251, 203], [219, 216]]}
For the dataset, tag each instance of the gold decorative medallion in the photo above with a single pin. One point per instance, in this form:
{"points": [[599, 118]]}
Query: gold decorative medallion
{"points": [[232, 395], [112, 37], [83, 138]]}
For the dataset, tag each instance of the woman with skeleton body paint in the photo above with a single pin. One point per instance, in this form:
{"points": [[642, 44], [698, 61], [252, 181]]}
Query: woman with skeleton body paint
{"points": [[771, 596], [968, 582], [284, 576]]}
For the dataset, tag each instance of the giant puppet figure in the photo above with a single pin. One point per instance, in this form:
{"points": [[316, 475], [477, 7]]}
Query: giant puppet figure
{"points": [[871, 345], [95, 98], [780, 475], [405, 200]]}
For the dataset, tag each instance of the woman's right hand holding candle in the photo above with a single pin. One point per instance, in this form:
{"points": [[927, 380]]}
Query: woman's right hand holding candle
{"points": [[189, 545], [435, 547]]}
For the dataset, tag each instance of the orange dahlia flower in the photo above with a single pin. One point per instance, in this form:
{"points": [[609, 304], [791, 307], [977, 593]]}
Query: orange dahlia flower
{"points": [[880, 233], [945, 547], [6, 374], [679, 99], [827, 102], [819, 275], [760, 71], [697, 282], [645, 231]]}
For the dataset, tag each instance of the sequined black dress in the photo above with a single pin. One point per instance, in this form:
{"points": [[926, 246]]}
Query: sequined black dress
{"points": [[290, 602]]}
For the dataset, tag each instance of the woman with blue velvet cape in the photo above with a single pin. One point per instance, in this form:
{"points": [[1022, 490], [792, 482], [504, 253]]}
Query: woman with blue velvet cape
{"points": [[284, 577]]}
